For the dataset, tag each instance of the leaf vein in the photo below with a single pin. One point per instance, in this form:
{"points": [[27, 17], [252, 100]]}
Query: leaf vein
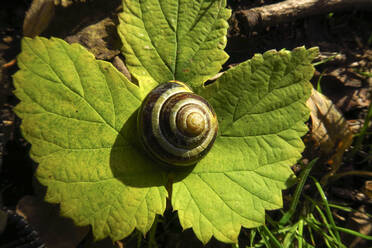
{"points": [[166, 19], [62, 83], [224, 202], [153, 45], [206, 36], [54, 113], [201, 213], [246, 189], [177, 40]]}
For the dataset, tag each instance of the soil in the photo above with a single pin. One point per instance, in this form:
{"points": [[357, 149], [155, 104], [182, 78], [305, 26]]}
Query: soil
{"points": [[347, 36]]}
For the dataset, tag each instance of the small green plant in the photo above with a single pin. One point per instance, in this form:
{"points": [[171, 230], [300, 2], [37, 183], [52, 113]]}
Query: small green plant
{"points": [[80, 115], [309, 223]]}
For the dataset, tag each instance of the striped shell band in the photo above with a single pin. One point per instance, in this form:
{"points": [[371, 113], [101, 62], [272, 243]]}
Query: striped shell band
{"points": [[176, 126]]}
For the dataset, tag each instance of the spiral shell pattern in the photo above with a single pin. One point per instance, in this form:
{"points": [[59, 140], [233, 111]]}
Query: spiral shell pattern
{"points": [[176, 126]]}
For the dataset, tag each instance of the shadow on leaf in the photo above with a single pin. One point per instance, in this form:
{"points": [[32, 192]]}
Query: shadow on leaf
{"points": [[134, 167]]}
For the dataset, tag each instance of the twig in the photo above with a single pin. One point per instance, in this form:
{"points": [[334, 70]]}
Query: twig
{"points": [[351, 173], [291, 10]]}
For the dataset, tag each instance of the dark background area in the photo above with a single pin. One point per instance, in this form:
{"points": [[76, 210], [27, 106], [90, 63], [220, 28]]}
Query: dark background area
{"points": [[345, 35]]}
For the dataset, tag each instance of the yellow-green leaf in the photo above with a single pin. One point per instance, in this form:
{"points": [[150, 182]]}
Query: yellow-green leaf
{"points": [[261, 109], [79, 114], [174, 39]]}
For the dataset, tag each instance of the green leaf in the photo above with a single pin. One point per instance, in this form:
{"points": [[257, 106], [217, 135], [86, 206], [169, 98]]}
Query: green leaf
{"points": [[260, 105], [174, 39], [79, 114]]}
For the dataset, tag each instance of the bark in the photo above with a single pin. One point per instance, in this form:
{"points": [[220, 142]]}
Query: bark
{"points": [[291, 10]]}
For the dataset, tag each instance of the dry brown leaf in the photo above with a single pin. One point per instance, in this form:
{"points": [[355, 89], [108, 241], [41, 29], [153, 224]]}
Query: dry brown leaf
{"points": [[38, 17], [100, 38], [368, 189], [330, 131], [54, 230], [119, 64], [360, 222]]}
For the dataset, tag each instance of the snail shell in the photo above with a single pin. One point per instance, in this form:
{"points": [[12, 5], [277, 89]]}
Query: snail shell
{"points": [[176, 126]]}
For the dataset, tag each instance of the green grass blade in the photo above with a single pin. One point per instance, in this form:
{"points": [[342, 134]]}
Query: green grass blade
{"points": [[286, 229], [352, 232], [318, 85], [328, 210], [314, 220], [324, 60], [304, 174], [347, 209], [349, 231], [305, 244], [288, 239], [343, 208], [311, 235], [325, 222], [300, 232], [363, 132], [333, 205], [272, 237], [321, 232], [319, 227], [264, 237], [252, 236]]}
